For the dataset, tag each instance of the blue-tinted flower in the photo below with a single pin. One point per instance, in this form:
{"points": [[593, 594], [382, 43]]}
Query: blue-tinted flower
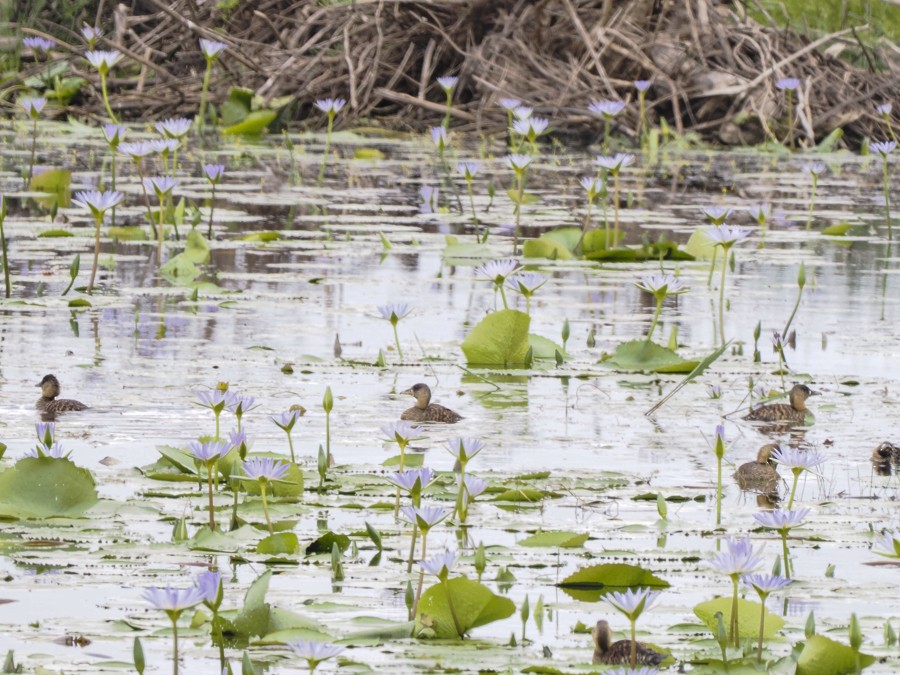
{"points": [[526, 283], [91, 34], [632, 603], [33, 106], [265, 468], [39, 44], [45, 432], [166, 145], [212, 398], [114, 133], [98, 202], [286, 420], [139, 149], [214, 172], [726, 235], [531, 126], [53, 451], [212, 49], [781, 519], [760, 213], [330, 106], [522, 112], [160, 185], [614, 162], [210, 584], [778, 341], [171, 599], [765, 583], [794, 458], [394, 313], [429, 196], [660, 284], [468, 169], [606, 109], [314, 652], [412, 479], [238, 403], [517, 162], [425, 517], [440, 565], [787, 83], [716, 214], [642, 85], [884, 109], [401, 432], [510, 104], [713, 391], [174, 127], [448, 82], [815, 169], [593, 186], [740, 558], [439, 136], [464, 449], [208, 451], [474, 485], [497, 270], [237, 438], [888, 545], [103, 60], [884, 148]]}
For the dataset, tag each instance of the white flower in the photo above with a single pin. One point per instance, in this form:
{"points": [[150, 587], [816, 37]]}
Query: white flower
{"points": [[794, 458], [726, 235], [103, 60], [661, 284], [632, 603], [331, 106], [781, 519], [440, 565], [497, 270], [174, 127], [211, 48], [740, 558]]}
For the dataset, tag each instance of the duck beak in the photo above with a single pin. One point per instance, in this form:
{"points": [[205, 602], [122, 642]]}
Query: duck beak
{"points": [[38, 384], [408, 392], [813, 392]]}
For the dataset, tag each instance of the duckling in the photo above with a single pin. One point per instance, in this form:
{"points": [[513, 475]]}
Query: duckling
{"points": [[761, 475], [619, 653], [424, 410], [48, 402], [794, 412], [884, 456]]}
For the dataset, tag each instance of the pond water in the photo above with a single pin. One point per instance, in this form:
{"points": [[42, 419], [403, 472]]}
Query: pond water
{"points": [[139, 353]]}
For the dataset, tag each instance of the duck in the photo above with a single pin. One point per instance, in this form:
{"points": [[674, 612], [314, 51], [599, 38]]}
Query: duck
{"points": [[761, 475], [884, 456], [426, 411], [49, 404], [793, 412], [619, 653]]}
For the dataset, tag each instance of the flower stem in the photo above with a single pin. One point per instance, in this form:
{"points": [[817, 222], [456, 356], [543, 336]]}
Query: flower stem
{"points": [[209, 483], [217, 422], [402, 445], [472, 203], [174, 645], [201, 116], [659, 303], [4, 250], [887, 199], [421, 573], [790, 98], [762, 628], [520, 179], [718, 491], [794, 487], [262, 493], [722, 295], [735, 636], [290, 445], [503, 296], [616, 209], [327, 145], [90, 288], [712, 266], [784, 554], [412, 549], [212, 206], [150, 217], [399, 350], [112, 117], [33, 151], [812, 201], [605, 147]]}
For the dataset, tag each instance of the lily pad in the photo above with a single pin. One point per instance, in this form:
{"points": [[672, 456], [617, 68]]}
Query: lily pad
{"points": [[474, 605], [54, 182], [557, 539], [253, 124], [253, 618], [542, 348], [326, 542], [499, 339], [643, 356], [823, 656], [590, 583], [279, 543], [42, 487], [748, 616]]}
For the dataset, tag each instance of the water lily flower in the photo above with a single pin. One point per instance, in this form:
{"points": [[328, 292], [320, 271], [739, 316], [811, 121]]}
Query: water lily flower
{"points": [[884, 148], [526, 283], [53, 451], [468, 169], [209, 584], [237, 438], [510, 104], [160, 185], [642, 85], [440, 565], [713, 391], [429, 197], [760, 213], [606, 109], [239, 403], [33, 106], [474, 485], [91, 34], [888, 545], [716, 214], [401, 432], [464, 449], [173, 600], [814, 169], [412, 480], [740, 558], [214, 172], [114, 133], [212, 49], [522, 112], [394, 313], [425, 517], [439, 137], [781, 519], [632, 602], [794, 458], [174, 127], [38, 44], [448, 82], [661, 284], [264, 469], [787, 83], [517, 163], [726, 235], [884, 109], [330, 106], [765, 585], [593, 186], [615, 162], [531, 126], [208, 451], [286, 420], [139, 149], [98, 202], [103, 60], [497, 270], [314, 652], [45, 432]]}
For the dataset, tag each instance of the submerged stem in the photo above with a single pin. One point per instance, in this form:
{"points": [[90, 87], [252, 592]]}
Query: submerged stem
{"points": [[262, 493], [90, 288], [762, 627], [722, 295]]}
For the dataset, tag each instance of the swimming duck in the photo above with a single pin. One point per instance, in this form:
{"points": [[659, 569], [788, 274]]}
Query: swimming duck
{"points": [[619, 653], [424, 410], [794, 412], [760, 475], [48, 402], [885, 452]]}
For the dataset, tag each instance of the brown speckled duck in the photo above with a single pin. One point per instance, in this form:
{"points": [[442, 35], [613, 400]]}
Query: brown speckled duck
{"points": [[426, 411], [49, 404], [884, 457], [793, 412], [619, 653], [760, 475]]}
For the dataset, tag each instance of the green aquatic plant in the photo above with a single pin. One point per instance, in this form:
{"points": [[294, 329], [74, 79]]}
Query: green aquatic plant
{"points": [[314, 653], [402, 433], [885, 148], [413, 482], [162, 187], [32, 108], [607, 110], [519, 164], [286, 421], [719, 452], [782, 521], [801, 283], [440, 566], [175, 129], [441, 140], [448, 84], [98, 203], [4, 247], [208, 453], [660, 286], [884, 110], [888, 545], [104, 61], [463, 449], [91, 34], [393, 314], [788, 85], [469, 170], [213, 173], [424, 518], [526, 284], [614, 166], [264, 470], [211, 50], [797, 461], [642, 87], [113, 134], [740, 559], [212, 588], [530, 129], [497, 272], [173, 601], [594, 187], [716, 215], [764, 585], [469, 487], [239, 404], [632, 603], [778, 346], [327, 406], [331, 107], [215, 400], [813, 169], [725, 236], [138, 152]]}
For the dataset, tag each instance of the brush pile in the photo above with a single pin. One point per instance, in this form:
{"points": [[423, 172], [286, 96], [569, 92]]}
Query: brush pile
{"points": [[713, 69]]}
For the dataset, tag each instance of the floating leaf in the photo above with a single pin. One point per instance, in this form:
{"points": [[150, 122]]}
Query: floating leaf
{"points": [[823, 656], [327, 541], [640, 355], [589, 583], [253, 618], [500, 338], [748, 616], [545, 247], [544, 349], [53, 234], [128, 233], [369, 154], [54, 182], [558, 539], [262, 236], [473, 605], [837, 230], [279, 544], [42, 487], [253, 124], [79, 302]]}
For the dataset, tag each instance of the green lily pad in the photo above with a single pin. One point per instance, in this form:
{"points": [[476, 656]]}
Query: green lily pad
{"points": [[42, 487], [279, 543], [556, 539], [54, 182], [823, 656], [542, 348], [55, 234], [253, 618], [748, 616], [643, 356], [254, 124], [326, 542], [700, 246], [590, 583], [837, 230], [474, 605], [499, 339], [368, 154], [264, 237], [127, 233]]}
